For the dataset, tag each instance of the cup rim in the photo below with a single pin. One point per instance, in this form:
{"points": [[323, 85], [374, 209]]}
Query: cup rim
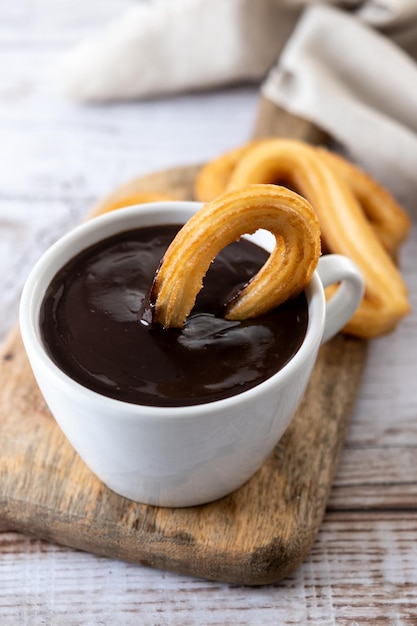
{"points": [[99, 228]]}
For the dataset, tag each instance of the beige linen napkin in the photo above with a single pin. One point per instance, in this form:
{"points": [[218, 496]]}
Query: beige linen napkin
{"points": [[164, 46], [359, 87], [168, 46], [346, 65]]}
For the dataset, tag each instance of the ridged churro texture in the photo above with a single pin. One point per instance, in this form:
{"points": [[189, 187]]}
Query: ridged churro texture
{"points": [[358, 217], [289, 268]]}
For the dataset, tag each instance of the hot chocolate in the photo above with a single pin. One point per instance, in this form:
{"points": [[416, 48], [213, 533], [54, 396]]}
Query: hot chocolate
{"points": [[91, 325]]}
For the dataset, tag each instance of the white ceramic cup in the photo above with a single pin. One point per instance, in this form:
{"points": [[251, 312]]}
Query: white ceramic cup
{"points": [[178, 456]]}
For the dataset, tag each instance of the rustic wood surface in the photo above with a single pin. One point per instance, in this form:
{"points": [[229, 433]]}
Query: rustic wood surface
{"points": [[258, 535], [57, 160]]}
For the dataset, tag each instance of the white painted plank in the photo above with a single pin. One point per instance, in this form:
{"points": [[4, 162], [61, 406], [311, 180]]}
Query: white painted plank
{"points": [[361, 570], [56, 160]]}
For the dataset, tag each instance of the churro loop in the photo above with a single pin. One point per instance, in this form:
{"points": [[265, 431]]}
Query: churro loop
{"points": [[389, 221], [344, 226], [287, 271]]}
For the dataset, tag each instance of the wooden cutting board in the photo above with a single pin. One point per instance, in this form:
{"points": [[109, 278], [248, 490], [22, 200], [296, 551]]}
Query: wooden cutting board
{"points": [[256, 535]]}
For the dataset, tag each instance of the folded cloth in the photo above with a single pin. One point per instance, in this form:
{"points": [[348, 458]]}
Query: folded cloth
{"points": [[387, 13], [168, 46], [357, 86], [340, 66], [159, 47]]}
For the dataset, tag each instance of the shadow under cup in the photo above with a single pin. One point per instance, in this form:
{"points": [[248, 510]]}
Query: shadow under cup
{"points": [[177, 456]]}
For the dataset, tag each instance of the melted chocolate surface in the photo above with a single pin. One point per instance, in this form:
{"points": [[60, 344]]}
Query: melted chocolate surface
{"points": [[90, 325]]}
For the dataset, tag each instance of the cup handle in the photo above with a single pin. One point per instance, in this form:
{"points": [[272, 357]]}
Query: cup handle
{"points": [[336, 268]]}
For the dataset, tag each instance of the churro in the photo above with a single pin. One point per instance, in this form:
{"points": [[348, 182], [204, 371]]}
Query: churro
{"points": [[387, 218], [288, 216], [124, 197], [352, 222]]}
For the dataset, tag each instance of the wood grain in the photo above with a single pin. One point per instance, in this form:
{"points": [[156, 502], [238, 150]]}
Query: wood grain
{"points": [[57, 159], [274, 121], [340, 584], [257, 535]]}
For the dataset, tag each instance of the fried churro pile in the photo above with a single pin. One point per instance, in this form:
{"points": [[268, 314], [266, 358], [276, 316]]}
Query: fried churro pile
{"points": [[357, 216]]}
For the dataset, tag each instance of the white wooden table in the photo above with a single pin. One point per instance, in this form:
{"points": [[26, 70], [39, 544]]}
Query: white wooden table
{"points": [[56, 160]]}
